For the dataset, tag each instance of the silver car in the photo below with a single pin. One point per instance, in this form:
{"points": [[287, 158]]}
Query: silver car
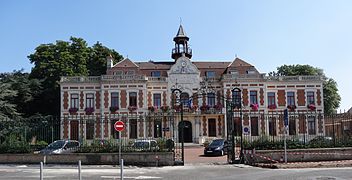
{"points": [[61, 147]]}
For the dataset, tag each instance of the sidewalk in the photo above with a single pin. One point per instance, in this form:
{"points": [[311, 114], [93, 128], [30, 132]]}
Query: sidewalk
{"points": [[321, 164]]}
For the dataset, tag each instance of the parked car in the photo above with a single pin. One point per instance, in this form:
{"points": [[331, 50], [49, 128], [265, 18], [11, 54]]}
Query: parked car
{"points": [[145, 145], [61, 147], [216, 147]]}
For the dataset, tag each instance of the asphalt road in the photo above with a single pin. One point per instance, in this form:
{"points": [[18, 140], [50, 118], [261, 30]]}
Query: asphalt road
{"points": [[197, 167], [187, 172]]}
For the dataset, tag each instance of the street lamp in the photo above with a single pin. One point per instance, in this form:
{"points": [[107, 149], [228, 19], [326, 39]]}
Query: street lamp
{"points": [[177, 92], [237, 103]]}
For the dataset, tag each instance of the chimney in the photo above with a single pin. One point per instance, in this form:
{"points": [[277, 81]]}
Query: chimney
{"points": [[109, 62]]}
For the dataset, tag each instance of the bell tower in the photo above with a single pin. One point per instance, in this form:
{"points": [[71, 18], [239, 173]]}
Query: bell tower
{"points": [[181, 45]]}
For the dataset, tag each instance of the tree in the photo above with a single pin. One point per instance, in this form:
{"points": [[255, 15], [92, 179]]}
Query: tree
{"points": [[7, 109], [331, 96], [73, 58], [26, 90]]}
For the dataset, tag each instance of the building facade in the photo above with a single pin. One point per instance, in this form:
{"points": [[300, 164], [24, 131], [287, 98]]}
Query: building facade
{"points": [[142, 94]]}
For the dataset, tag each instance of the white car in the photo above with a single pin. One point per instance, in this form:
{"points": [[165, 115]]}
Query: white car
{"points": [[145, 145]]}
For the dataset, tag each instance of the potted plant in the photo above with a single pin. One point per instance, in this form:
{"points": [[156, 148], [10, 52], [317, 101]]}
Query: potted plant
{"points": [[113, 109], [311, 107], [291, 107], [272, 106], [89, 110], [204, 107], [164, 108], [218, 107], [151, 108], [254, 107], [73, 110], [132, 108], [177, 108]]}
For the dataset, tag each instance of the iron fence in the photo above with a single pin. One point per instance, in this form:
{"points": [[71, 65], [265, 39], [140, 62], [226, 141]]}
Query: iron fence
{"points": [[97, 134]]}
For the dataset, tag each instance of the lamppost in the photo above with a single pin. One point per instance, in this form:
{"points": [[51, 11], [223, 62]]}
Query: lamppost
{"points": [[237, 103], [177, 92]]}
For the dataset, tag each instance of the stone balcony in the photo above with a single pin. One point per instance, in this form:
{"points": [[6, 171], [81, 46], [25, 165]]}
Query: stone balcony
{"points": [[294, 78], [97, 79], [157, 79]]}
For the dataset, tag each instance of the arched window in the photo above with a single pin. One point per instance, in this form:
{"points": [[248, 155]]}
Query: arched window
{"points": [[184, 98]]}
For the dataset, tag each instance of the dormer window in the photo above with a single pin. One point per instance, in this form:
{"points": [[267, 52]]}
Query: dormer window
{"points": [[210, 74], [156, 74], [129, 72], [118, 73]]}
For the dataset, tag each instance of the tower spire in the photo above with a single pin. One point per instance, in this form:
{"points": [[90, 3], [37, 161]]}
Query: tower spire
{"points": [[181, 44]]}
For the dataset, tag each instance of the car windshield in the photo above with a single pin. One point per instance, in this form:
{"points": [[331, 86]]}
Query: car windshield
{"points": [[56, 145], [141, 144], [218, 142]]}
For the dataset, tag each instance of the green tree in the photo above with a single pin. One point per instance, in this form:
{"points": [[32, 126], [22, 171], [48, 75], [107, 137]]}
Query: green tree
{"points": [[26, 90], [331, 96], [73, 58], [7, 109]]}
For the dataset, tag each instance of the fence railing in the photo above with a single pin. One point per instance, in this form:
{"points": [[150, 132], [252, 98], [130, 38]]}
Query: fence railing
{"points": [[260, 131]]}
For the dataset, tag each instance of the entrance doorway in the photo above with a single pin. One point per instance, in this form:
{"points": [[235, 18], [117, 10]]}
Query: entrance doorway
{"points": [[187, 131]]}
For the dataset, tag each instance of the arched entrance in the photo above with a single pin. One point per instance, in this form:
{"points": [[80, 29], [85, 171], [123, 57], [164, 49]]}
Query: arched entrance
{"points": [[187, 131]]}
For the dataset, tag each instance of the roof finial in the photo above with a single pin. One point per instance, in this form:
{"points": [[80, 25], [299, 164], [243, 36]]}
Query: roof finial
{"points": [[235, 55], [180, 21]]}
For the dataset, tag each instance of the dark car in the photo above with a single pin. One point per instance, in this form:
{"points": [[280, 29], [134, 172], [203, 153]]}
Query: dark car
{"points": [[61, 147], [216, 147]]}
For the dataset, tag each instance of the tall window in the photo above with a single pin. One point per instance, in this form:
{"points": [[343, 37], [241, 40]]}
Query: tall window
{"points": [[272, 126], [254, 126], [113, 132], [89, 129], [292, 126], [310, 97], [184, 98], [155, 73], [114, 99], [253, 97], [210, 74], [133, 128], [290, 98], [90, 100], [271, 99], [133, 99], [157, 128], [311, 126], [237, 122], [157, 100], [236, 98], [74, 103], [212, 127], [211, 99]]}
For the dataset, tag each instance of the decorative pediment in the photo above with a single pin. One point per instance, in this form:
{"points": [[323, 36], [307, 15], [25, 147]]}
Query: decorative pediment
{"points": [[126, 63], [183, 65]]}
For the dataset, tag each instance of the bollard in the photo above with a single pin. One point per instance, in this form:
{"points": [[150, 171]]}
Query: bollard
{"points": [[41, 170], [79, 170], [121, 169]]}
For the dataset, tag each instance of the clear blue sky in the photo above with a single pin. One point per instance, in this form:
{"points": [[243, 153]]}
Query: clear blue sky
{"points": [[266, 34]]}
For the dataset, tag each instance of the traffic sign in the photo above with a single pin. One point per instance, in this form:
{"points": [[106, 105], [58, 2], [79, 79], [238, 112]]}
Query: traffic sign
{"points": [[119, 126]]}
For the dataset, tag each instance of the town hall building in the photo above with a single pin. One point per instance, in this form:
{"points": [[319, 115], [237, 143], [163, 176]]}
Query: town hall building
{"points": [[151, 96]]}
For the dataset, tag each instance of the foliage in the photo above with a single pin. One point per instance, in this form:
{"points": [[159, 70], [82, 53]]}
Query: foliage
{"points": [[7, 108], [331, 96], [25, 91], [73, 58], [14, 144]]}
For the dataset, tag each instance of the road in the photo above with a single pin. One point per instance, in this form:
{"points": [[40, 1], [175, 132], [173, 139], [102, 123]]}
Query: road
{"points": [[187, 172], [197, 167]]}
